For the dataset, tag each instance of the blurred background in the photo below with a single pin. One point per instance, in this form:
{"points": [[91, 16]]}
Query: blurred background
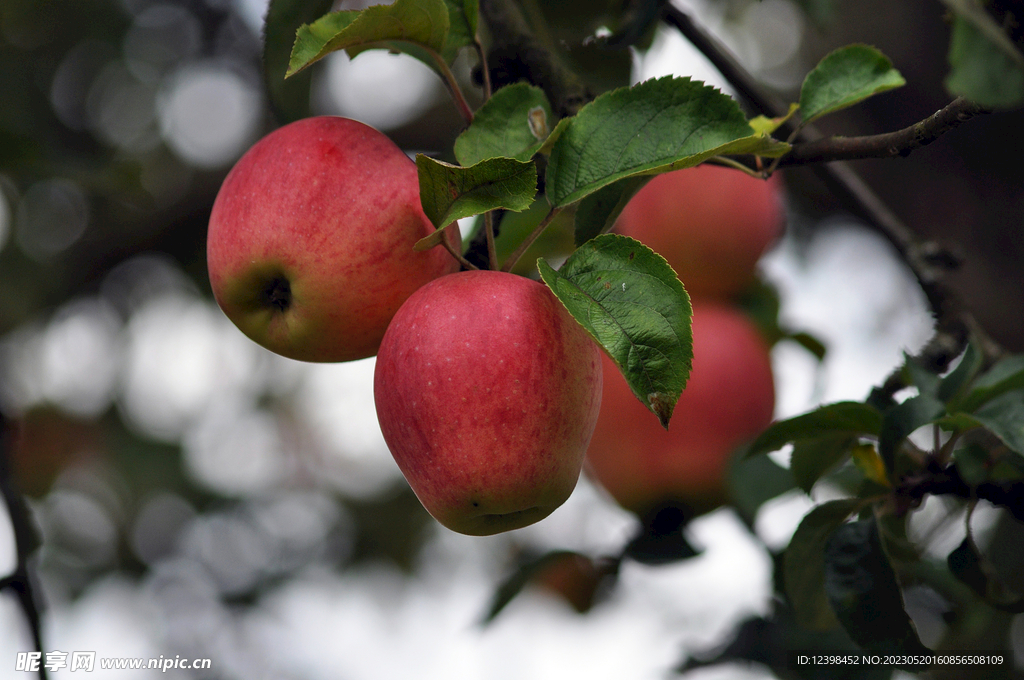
{"points": [[198, 496]]}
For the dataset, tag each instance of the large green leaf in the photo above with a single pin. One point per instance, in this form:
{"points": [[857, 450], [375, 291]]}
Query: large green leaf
{"points": [[418, 27], [289, 97], [845, 77], [848, 418], [655, 126], [864, 594], [803, 566], [512, 124], [630, 300], [449, 192]]}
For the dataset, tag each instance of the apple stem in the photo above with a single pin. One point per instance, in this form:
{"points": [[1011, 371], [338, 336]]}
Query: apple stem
{"points": [[492, 250], [466, 264], [521, 249]]}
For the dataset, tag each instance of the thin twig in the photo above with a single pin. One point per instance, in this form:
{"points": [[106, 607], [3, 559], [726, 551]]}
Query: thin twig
{"points": [[492, 250], [522, 248], [887, 145], [456, 254], [482, 54], [948, 482], [453, 87], [26, 541]]}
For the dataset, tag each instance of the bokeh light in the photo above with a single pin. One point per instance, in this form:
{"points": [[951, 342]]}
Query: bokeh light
{"points": [[380, 89], [180, 353], [209, 114], [51, 216]]}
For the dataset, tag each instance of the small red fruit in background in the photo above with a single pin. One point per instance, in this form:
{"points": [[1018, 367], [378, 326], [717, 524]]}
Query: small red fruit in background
{"points": [[310, 244], [487, 392], [711, 223], [729, 399]]}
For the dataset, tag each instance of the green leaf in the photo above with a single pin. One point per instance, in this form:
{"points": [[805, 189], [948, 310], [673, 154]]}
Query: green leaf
{"points": [[755, 481], [1004, 417], [803, 565], [653, 127], [512, 124], [863, 591], [851, 418], [845, 77], [901, 420], [463, 16], [289, 98], [955, 382], [597, 212], [982, 71], [765, 126], [418, 27], [812, 458], [866, 459], [919, 376], [1006, 375], [810, 343], [449, 192], [629, 299]]}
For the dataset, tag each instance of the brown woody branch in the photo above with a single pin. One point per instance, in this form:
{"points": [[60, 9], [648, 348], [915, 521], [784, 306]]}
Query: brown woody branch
{"points": [[517, 53], [25, 540], [948, 482], [887, 145], [827, 157]]}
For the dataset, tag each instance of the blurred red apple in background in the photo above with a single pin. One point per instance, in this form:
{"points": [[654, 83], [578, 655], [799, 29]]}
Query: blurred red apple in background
{"points": [[729, 398], [310, 244], [487, 392], [711, 223]]}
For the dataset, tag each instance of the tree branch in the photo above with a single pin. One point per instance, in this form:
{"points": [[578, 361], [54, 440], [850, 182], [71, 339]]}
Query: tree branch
{"points": [[948, 482], [887, 145], [26, 541], [928, 261], [517, 54]]}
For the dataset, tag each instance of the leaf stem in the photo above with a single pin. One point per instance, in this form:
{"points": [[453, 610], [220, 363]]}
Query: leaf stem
{"points": [[735, 165], [483, 67], [492, 250], [456, 254], [452, 84], [522, 248]]}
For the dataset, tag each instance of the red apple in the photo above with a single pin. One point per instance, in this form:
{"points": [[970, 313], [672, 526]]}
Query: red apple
{"points": [[310, 245], [711, 223], [487, 392], [728, 399]]}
